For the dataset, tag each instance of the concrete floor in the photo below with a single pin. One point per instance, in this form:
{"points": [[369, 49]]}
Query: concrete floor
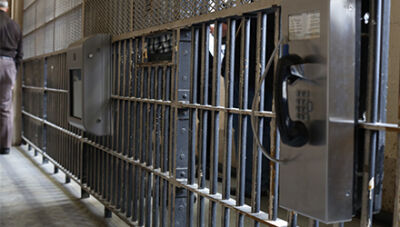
{"points": [[32, 196]]}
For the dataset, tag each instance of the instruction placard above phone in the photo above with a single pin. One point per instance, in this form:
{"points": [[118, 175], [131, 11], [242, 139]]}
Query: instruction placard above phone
{"points": [[304, 26]]}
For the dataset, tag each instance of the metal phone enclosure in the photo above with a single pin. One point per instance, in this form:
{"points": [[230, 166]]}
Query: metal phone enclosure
{"points": [[89, 84], [316, 179]]}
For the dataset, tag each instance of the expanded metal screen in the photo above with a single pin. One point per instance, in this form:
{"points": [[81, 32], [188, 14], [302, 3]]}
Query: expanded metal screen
{"points": [[122, 16], [112, 17], [158, 12], [103, 16], [51, 25]]}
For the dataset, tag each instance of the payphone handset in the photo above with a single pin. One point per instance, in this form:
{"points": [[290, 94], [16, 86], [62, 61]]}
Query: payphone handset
{"points": [[290, 70], [293, 133]]}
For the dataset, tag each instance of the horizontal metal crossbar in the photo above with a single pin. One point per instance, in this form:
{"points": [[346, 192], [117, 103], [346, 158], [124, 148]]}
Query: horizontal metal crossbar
{"points": [[83, 186], [380, 126], [261, 216], [219, 15], [44, 89], [178, 104]]}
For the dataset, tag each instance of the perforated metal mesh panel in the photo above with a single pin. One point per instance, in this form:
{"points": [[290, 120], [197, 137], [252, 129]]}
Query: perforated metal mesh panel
{"points": [[49, 38], [157, 12], [49, 10], [40, 39], [27, 3], [51, 25], [60, 36], [40, 12], [102, 16], [29, 19], [121, 16], [74, 25], [63, 6], [29, 46]]}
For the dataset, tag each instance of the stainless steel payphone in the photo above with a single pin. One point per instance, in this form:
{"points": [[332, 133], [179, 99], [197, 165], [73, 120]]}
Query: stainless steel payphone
{"points": [[89, 72], [315, 101]]}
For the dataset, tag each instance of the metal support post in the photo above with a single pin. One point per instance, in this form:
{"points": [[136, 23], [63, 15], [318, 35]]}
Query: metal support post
{"points": [[182, 134], [44, 160], [107, 213], [84, 194]]}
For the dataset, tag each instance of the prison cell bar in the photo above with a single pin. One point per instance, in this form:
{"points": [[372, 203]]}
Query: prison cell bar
{"points": [[375, 36], [228, 124], [204, 118], [243, 102]]}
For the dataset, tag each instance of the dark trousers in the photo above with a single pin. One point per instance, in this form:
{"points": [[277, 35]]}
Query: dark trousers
{"points": [[8, 73]]}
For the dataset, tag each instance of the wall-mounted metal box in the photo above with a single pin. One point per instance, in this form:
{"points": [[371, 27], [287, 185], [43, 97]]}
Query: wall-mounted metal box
{"points": [[89, 76], [316, 80]]}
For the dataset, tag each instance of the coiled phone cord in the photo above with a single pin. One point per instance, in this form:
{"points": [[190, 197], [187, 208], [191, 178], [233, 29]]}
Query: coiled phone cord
{"points": [[256, 102]]}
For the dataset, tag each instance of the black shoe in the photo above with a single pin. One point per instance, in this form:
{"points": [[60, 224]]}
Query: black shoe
{"points": [[4, 151]]}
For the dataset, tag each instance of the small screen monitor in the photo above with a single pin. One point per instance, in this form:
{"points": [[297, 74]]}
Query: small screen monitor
{"points": [[76, 93]]}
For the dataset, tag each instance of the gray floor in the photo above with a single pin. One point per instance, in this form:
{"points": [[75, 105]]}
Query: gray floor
{"points": [[32, 196]]}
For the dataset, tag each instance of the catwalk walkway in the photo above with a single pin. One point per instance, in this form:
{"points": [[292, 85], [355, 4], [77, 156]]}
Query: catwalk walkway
{"points": [[31, 197]]}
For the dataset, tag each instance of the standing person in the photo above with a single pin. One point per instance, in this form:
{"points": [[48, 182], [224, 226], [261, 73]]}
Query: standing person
{"points": [[10, 58]]}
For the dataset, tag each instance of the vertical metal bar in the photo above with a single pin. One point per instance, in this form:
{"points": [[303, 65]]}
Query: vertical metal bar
{"points": [[275, 139], [113, 138], [93, 159], [230, 80], [313, 223], [125, 131], [163, 148], [130, 137], [383, 94], [257, 164], [204, 119], [166, 145], [142, 148], [120, 111], [150, 149], [157, 156], [276, 178], [115, 161], [109, 141], [292, 219], [172, 130], [123, 126], [374, 73], [136, 135], [215, 120], [182, 124], [243, 96], [193, 128]]}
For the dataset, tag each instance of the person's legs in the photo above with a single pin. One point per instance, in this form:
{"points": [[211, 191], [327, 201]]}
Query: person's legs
{"points": [[7, 80]]}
